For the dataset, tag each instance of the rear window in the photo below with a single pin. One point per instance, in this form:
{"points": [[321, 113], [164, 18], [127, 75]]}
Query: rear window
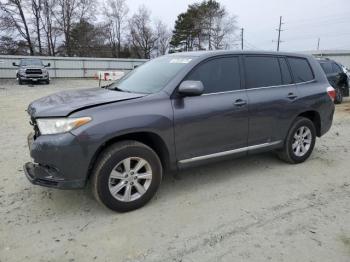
{"points": [[262, 71], [327, 68], [301, 69], [336, 68]]}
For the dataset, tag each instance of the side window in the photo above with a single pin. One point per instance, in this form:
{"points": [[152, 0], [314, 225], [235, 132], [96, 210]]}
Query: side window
{"points": [[262, 71], [336, 68], [301, 69], [286, 77], [218, 75], [327, 68]]}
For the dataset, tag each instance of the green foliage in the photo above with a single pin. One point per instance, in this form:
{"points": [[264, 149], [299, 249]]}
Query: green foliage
{"points": [[200, 27]]}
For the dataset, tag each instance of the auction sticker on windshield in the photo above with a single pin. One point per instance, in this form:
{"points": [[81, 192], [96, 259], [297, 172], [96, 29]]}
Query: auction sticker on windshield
{"points": [[180, 61]]}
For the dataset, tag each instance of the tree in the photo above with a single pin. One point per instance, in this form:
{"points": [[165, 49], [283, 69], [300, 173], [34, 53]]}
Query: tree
{"points": [[70, 12], [49, 25], [12, 18], [203, 26], [222, 29], [9, 46], [163, 38], [116, 12], [87, 39], [36, 10], [142, 36], [187, 34]]}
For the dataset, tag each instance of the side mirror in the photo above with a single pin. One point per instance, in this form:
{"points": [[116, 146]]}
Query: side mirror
{"points": [[14, 64], [48, 65], [191, 88]]}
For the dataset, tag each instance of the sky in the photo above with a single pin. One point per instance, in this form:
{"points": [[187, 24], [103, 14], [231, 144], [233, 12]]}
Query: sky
{"points": [[304, 21]]}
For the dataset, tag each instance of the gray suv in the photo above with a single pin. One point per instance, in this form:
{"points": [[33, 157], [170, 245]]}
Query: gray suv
{"points": [[33, 70], [174, 112]]}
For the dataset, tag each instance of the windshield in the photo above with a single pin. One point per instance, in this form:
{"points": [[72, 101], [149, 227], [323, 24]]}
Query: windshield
{"points": [[152, 76], [29, 62]]}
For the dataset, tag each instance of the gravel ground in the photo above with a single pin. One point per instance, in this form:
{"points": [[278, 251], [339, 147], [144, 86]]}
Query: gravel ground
{"points": [[252, 209]]}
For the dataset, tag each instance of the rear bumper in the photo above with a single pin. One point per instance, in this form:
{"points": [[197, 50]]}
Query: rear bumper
{"points": [[327, 120], [44, 176]]}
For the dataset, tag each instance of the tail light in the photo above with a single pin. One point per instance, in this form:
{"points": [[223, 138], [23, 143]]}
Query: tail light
{"points": [[331, 93]]}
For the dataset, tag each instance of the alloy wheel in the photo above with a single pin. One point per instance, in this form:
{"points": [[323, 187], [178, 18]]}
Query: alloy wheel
{"points": [[130, 179]]}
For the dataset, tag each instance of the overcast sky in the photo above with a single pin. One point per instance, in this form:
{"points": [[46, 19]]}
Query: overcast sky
{"points": [[304, 21]]}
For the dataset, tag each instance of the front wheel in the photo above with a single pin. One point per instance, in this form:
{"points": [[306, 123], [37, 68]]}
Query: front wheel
{"points": [[300, 141], [126, 176]]}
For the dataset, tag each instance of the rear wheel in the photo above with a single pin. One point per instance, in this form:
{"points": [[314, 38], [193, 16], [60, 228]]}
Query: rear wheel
{"points": [[300, 141], [338, 96], [126, 176]]}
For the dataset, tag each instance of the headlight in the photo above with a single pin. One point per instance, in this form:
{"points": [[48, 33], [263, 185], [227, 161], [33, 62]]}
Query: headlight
{"points": [[44, 71], [50, 126], [22, 71]]}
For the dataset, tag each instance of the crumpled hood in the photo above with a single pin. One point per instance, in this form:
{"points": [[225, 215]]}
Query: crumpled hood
{"points": [[63, 103]]}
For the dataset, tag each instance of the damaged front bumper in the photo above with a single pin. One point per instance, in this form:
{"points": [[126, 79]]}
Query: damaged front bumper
{"points": [[60, 161], [43, 176]]}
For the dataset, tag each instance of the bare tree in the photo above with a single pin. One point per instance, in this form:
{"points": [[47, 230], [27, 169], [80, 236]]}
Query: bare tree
{"points": [[50, 25], [142, 36], [163, 38], [36, 6], [223, 28], [116, 12], [70, 12], [12, 18]]}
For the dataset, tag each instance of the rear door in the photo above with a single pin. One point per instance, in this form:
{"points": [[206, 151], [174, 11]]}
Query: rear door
{"points": [[216, 121], [271, 94]]}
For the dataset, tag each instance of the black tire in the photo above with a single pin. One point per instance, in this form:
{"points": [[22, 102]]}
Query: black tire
{"points": [[338, 96], [47, 82], [20, 81], [287, 154], [109, 159]]}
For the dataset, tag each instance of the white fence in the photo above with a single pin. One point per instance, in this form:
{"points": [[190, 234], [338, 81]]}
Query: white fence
{"points": [[70, 66]]}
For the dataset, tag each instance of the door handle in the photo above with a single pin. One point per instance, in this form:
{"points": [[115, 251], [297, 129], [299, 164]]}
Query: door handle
{"points": [[240, 102], [292, 96]]}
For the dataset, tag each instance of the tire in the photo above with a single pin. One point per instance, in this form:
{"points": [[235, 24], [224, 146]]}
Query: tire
{"points": [[113, 159], [338, 96], [47, 82], [20, 82], [290, 152]]}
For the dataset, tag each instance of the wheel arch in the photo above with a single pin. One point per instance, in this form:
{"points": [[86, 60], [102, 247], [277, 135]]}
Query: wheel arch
{"points": [[314, 116], [150, 139]]}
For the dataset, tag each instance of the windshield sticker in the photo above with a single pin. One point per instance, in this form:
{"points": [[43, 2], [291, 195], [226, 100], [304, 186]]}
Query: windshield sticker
{"points": [[180, 60]]}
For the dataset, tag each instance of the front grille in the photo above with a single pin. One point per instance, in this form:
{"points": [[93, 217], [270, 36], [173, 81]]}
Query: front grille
{"points": [[33, 71]]}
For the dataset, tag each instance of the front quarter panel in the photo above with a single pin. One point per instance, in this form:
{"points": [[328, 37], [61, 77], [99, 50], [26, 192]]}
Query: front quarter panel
{"points": [[152, 114]]}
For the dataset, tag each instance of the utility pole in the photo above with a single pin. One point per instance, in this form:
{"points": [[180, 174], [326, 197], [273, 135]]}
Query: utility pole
{"points": [[318, 44], [279, 34], [242, 43]]}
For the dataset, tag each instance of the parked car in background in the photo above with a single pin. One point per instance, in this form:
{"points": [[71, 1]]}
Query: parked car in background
{"points": [[337, 77], [173, 112], [32, 69]]}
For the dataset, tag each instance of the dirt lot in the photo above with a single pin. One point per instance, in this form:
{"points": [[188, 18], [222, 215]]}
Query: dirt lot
{"points": [[252, 209]]}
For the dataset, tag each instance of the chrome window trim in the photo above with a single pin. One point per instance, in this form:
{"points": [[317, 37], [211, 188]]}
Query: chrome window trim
{"points": [[229, 152], [257, 88]]}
